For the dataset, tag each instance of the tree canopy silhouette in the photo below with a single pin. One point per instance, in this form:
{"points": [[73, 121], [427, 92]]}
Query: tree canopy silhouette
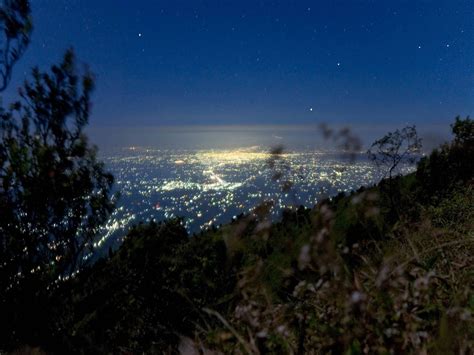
{"points": [[54, 193], [16, 27], [449, 165], [394, 148]]}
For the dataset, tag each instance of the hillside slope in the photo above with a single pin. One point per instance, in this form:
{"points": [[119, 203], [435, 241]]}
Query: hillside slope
{"points": [[356, 274]]}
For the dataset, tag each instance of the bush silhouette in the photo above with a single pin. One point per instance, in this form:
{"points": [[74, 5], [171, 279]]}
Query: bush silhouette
{"points": [[54, 193]]}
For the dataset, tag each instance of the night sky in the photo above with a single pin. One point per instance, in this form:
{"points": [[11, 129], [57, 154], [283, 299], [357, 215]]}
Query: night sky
{"points": [[264, 62]]}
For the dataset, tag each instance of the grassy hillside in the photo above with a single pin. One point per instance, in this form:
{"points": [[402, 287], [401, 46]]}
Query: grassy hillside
{"points": [[355, 274]]}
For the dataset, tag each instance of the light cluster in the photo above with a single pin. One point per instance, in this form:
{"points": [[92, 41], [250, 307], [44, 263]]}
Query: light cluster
{"points": [[210, 187]]}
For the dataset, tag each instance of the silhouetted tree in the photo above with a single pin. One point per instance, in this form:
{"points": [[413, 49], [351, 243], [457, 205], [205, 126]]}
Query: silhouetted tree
{"points": [[463, 130], [449, 165], [54, 194], [16, 27], [393, 149]]}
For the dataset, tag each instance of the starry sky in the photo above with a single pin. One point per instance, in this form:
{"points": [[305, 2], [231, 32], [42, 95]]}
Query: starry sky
{"points": [[182, 62]]}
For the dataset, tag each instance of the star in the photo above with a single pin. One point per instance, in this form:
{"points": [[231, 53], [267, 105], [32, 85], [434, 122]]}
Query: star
{"points": [[139, 34], [311, 109], [419, 47], [447, 45], [338, 64]]}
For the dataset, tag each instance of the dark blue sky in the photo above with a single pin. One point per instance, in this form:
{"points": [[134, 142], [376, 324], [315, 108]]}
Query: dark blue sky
{"points": [[249, 61]]}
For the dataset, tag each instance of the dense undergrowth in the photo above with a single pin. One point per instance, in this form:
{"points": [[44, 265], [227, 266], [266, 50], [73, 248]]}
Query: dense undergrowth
{"points": [[355, 274]]}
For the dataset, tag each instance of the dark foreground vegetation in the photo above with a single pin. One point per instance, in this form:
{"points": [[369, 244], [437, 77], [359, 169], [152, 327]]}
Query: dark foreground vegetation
{"points": [[358, 273], [385, 269]]}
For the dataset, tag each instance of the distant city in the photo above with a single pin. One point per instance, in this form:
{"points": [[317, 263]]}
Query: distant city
{"points": [[211, 187]]}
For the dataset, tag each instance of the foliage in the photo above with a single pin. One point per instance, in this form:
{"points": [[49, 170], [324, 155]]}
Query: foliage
{"points": [[16, 30], [448, 166], [394, 148], [388, 153], [147, 295], [339, 278], [343, 139], [54, 193], [463, 130], [343, 277], [361, 282], [348, 276], [455, 213]]}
